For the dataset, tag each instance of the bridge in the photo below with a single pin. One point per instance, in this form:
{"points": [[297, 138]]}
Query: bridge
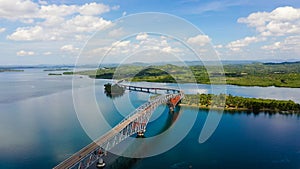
{"points": [[134, 123]]}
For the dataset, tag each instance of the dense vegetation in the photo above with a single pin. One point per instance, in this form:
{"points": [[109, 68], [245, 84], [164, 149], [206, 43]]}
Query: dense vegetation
{"points": [[54, 74], [230, 102], [113, 91], [256, 74], [11, 70], [56, 69]]}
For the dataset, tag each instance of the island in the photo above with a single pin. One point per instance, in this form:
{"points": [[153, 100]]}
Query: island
{"points": [[11, 70], [56, 69], [237, 103], [114, 90], [54, 74]]}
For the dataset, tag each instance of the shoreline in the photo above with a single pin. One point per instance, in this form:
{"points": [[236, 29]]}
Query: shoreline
{"points": [[233, 84], [237, 109]]}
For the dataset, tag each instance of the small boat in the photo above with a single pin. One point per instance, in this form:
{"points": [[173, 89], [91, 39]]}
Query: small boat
{"points": [[100, 163]]}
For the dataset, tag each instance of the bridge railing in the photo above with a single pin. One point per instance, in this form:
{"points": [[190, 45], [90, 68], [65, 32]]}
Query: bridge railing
{"points": [[121, 131]]}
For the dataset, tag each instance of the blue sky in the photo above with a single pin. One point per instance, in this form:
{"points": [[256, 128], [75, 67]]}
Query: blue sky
{"points": [[53, 32]]}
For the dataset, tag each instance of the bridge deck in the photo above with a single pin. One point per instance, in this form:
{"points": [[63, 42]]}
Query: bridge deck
{"points": [[91, 147], [84, 152]]}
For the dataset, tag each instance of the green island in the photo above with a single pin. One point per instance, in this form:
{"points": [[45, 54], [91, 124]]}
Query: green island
{"points": [[11, 70], [56, 69], [237, 103], [54, 74], [286, 74], [113, 91]]}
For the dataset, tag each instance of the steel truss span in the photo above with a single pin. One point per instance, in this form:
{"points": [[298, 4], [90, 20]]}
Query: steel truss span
{"points": [[134, 123]]}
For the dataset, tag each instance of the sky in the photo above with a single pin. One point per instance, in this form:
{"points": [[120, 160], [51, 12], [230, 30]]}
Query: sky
{"points": [[57, 31]]}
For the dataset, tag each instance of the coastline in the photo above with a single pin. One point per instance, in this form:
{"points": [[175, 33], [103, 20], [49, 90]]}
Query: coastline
{"points": [[236, 109]]}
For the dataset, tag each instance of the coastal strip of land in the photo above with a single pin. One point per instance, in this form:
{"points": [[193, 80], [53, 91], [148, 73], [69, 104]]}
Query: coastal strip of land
{"points": [[237, 103], [11, 70]]}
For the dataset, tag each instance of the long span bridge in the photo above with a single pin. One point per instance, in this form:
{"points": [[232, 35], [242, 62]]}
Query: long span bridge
{"points": [[134, 123]]}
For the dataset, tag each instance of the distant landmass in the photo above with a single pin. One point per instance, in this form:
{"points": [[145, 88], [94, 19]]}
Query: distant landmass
{"points": [[189, 63]]}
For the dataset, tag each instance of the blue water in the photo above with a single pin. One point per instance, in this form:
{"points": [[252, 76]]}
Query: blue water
{"points": [[39, 127]]}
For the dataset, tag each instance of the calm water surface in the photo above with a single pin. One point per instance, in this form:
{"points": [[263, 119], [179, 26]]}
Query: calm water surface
{"points": [[39, 127]]}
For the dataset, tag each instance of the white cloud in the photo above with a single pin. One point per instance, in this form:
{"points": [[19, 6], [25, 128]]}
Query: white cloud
{"points": [[291, 44], [84, 24], [199, 40], [146, 43], [18, 9], [56, 28], [121, 43], [2, 29], [241, 43], [69, 48], [47, 53], [25, 53], [54, 22], [93, 9], [28, 33], [56, 10], [279, 22], [142, 36], [22, 9]]}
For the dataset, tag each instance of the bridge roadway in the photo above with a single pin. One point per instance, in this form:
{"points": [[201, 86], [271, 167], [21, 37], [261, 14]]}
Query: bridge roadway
{"points": [[87, 156], [148, 89]]}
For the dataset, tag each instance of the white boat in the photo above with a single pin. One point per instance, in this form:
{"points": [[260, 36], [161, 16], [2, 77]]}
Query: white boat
{"points": [[100, 163]]}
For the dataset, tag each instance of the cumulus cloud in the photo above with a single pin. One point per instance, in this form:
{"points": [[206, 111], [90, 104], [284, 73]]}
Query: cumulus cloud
{"points": [[145, 43], [199, 40], [69, 48], [18, 9], [142, 36], [55, 22], [85, 24], [25, 53], [241, 43], [291, 43], [59, 29], [28, 33], [279, 22], [93, 9], [2, 29]]}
